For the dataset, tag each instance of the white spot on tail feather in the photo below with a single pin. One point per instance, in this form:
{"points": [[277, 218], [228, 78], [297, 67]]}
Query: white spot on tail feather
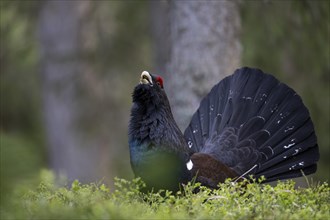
{"points": [[288, 128], [289, 145]]}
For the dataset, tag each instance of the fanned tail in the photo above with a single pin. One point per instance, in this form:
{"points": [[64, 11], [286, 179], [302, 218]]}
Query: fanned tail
{"points": [[250, 118]]}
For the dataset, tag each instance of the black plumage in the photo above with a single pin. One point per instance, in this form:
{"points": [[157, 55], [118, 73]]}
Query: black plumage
{"points": [[158, 150], [249, 124]]}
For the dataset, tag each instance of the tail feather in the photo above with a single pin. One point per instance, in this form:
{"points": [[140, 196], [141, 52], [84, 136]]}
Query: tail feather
{"points": [[294, 163], [259, 137], [287, 142], [204, 119], [242, 96], [291, 144], [251, 126], [288, 132], [227, 113], [291, 153], [272, 126], [292, 173], [289, 107]]}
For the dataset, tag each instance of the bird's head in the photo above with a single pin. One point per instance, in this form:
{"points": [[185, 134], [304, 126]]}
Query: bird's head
{"points": [[149, 79], [150, 90]]}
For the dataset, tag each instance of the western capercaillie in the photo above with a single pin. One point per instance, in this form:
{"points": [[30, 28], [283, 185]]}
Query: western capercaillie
{"points": [[248, 124]]}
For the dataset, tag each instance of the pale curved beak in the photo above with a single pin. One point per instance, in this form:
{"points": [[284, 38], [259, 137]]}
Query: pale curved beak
{"points": [[145, 78]]}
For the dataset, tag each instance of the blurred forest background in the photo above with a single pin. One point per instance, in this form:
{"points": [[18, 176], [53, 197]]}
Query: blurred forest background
{"points": [[91, 54]]}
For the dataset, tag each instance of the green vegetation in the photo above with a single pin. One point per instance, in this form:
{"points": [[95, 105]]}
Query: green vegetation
{"points": [[231, 201], [20, 161]]}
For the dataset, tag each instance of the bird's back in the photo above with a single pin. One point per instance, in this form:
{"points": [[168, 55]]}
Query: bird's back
{"points": [[251, 122]]}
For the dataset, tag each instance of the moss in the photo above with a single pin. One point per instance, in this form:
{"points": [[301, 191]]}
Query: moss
{"points": [[231, 201]]}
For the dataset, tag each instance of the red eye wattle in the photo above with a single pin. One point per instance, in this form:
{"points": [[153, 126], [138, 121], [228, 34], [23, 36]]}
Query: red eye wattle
{"points": [[159, 81]]}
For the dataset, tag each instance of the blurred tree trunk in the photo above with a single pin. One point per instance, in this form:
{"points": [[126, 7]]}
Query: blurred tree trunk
{"points": [[71, 151], [160, 31], [204, 47]]}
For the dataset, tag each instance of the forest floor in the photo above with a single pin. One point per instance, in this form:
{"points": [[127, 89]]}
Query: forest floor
{"points": [[125, 201]]}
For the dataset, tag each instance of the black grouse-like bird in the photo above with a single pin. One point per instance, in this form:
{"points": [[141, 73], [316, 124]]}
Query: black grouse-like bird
{"points": [[248, 124]]}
